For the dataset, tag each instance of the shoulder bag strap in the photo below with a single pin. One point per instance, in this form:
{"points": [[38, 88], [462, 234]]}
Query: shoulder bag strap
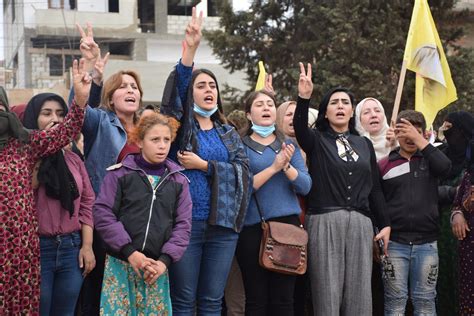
{"points": [[262, 218]]}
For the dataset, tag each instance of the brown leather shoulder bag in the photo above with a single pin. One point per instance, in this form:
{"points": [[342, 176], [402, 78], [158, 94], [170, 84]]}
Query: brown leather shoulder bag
{"points": [[283, 246]]}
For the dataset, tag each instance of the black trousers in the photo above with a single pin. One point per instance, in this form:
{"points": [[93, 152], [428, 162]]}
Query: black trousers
{"points": [[266, 292], [89, 300]]}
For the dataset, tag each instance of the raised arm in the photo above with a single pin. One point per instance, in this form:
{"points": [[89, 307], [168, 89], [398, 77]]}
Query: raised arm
{"points": [[304, 135], [89, 49], [94, 64], [192, 39]]}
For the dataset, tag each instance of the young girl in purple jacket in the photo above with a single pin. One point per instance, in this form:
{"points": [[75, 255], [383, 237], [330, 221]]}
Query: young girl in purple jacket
{"points": [[143, 214]]}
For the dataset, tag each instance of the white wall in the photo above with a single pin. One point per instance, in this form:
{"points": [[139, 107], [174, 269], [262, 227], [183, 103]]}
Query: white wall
{"points": [[92, 6], [96, 13]]}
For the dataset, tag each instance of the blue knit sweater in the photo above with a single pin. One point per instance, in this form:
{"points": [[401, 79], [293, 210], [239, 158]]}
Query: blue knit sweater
{"points": [[210, 148], [277, 197]]}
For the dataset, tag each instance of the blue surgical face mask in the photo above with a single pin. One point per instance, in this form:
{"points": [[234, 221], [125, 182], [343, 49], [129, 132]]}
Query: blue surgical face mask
{"points": [[204, 113], [263, 131]]}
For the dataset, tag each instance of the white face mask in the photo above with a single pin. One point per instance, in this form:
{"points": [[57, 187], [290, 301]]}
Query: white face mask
{"points": [[204, 113]]}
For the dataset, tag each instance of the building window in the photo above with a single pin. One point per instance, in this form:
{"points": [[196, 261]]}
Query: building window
{"points": [[181, 7], [185, 7], [146, 14], [59, 64], [62, 4], [55, 65], [114, 5], [212, 8]]}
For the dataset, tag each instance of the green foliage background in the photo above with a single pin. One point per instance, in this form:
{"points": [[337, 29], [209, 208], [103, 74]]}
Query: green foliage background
{"points": [[357, 44]]}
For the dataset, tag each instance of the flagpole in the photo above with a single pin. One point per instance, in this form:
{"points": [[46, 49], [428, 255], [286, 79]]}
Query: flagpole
{"points": [[398, 96]]}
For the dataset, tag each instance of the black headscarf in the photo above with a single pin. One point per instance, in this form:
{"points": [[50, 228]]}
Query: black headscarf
{"points": [[53, 173], [10, 125], [460, 138]]}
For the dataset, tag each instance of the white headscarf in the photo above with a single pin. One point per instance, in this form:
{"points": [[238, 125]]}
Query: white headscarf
{"points": [[381, 145]]}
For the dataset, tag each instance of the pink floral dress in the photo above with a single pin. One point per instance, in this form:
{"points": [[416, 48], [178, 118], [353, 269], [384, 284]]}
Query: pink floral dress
{"points": [[19, 241]]}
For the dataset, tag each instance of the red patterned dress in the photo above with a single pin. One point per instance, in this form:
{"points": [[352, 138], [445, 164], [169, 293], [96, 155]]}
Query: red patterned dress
{"points": [[466, 250], [19, 241]]}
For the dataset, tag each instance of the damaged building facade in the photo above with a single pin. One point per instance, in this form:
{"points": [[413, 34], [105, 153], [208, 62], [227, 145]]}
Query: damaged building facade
{"points": [[41, 40]]}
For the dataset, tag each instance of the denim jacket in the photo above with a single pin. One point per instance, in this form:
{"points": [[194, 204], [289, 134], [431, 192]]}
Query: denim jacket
{"points": [[232, 180], [104, 138]]}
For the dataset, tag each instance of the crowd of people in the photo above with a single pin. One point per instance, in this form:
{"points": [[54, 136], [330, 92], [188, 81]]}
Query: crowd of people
{"points": [[111, 207]]}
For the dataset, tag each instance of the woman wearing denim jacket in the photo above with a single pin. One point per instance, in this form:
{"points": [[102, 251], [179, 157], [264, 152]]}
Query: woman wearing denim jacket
{"points": [[279, 174], [63, 199], [106, 142], [215, 162]]}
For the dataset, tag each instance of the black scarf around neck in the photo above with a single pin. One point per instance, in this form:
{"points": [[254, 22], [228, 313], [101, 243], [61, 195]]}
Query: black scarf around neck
{"points": [[53, 173]]}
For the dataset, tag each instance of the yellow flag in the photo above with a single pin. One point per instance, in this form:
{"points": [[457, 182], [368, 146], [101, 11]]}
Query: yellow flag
{"points": [[424, 55], [261, 76]]}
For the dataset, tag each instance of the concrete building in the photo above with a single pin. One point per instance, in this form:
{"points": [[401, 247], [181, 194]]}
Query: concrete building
{"points": [[41, 40]]}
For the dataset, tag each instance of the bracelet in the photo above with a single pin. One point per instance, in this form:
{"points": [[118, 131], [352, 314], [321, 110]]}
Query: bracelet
{"points": [[285, 169], [453, 213]]}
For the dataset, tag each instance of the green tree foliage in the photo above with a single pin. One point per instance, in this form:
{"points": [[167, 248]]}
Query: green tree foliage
{"points": [[354, 43], [357, 44]]}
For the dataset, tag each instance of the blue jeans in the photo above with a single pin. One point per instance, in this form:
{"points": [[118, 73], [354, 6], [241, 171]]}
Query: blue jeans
{"points": [[199, 278], [61, 277], [414, 265]]}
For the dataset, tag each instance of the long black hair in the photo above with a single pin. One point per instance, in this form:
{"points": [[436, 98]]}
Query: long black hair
{"points": [[322, 122], [219, 114]]}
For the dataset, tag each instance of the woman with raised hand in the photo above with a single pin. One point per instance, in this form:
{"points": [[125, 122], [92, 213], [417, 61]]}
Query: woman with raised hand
{"points": [[345, 176], [214, 158], [143, 214], [371, 122], [106, 143], [279, 174], [19, 152], [63, 199]]}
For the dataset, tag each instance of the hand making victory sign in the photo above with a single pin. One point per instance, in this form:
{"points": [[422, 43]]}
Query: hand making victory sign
{"points": [[90, 51], [305, 85], [81, 82], [89, 48], [192, 38]]}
